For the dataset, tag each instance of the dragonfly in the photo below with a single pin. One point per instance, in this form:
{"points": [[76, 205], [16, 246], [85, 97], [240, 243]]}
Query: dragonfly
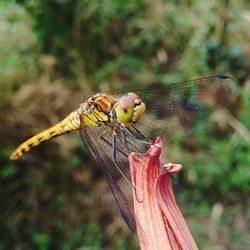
{"points": [[109, 124]]}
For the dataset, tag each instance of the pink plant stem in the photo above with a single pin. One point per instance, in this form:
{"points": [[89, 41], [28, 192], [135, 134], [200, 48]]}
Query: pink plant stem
{"points": [[160, 222]]}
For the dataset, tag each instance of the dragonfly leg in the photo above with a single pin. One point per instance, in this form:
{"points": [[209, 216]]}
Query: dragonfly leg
{"points": [[114, 156], [142, 135], [115, 162], [115, 159], [114, 147], [126, 142], [170, 175], [144, 140], [134, 151]]}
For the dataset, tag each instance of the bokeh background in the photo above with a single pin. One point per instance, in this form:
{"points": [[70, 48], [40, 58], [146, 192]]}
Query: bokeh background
{"points": [[55, 54]]}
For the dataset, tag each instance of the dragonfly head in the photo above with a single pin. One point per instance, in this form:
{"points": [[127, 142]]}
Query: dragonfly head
{"points": [[130, 108]]}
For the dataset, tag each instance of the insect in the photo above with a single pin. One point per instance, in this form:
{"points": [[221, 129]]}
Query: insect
{"points": [[108, 124]]}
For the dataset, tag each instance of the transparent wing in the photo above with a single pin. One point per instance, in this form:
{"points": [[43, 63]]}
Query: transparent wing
{"points": [[114, 144], [170, 108], [179, 106], [99, 141]]}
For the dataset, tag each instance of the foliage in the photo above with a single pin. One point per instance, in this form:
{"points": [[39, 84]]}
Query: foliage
{"points": [[59, 52], [17, 48]]}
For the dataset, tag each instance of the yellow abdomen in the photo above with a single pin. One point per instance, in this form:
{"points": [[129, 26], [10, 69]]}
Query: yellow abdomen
{"points": [[70, 123]]}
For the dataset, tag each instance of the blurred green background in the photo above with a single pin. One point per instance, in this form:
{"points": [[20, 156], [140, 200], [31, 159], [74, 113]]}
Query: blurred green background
{"points": [[55, 54]]}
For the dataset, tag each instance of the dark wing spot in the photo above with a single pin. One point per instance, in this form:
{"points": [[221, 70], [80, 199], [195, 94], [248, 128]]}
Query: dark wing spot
{"points": [[223, 77]]}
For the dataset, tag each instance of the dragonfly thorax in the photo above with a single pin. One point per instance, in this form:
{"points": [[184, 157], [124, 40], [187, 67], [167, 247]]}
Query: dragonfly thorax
{"points": [[130, 108], [105, 103]]}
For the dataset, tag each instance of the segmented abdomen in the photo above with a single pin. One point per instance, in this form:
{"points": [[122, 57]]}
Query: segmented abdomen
{"points": [[70, 123]]}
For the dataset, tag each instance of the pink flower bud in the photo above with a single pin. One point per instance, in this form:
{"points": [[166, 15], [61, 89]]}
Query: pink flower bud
{"points": [[160, 221]]}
